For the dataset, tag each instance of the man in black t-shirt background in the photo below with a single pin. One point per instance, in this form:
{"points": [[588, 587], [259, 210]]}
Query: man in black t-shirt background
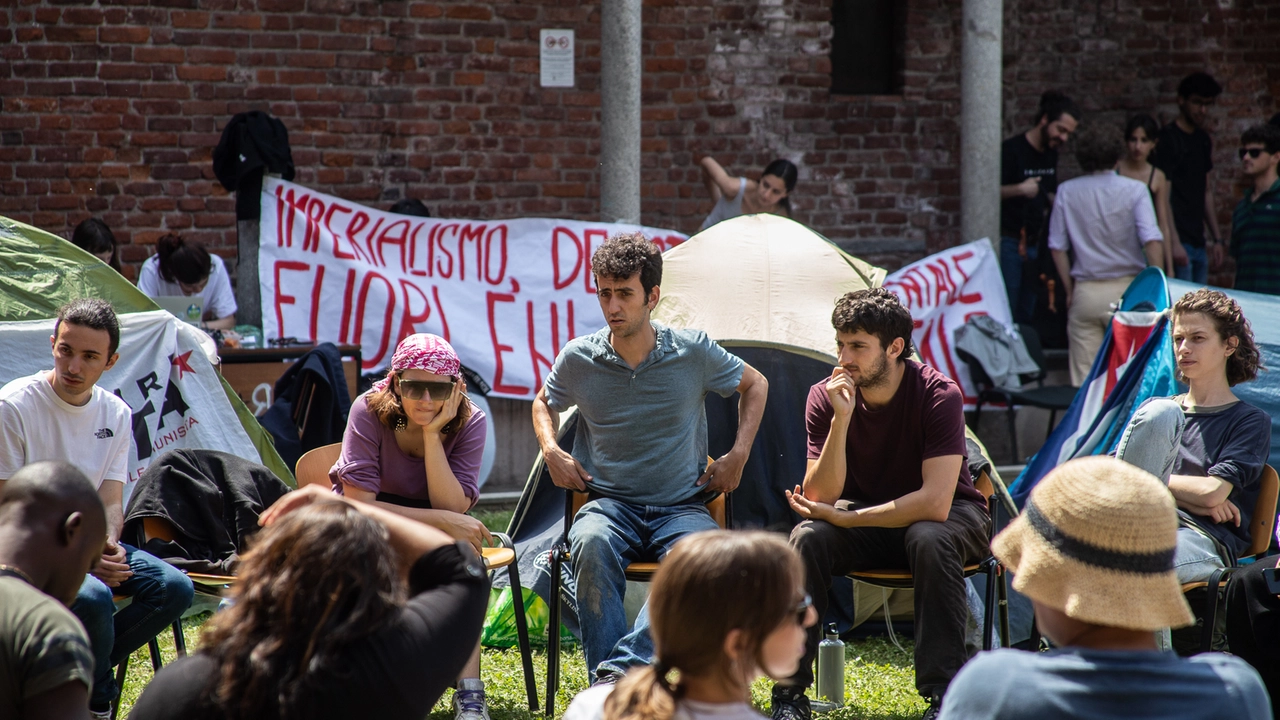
{"points": [[1028, 180], [1185, 154]]}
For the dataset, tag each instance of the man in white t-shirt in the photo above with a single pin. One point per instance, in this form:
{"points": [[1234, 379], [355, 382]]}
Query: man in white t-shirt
{"points": [[1102, 233], [61, 414]]}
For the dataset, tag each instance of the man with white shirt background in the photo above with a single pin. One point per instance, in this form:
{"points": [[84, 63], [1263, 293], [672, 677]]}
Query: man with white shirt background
{"points": [[1108, 224], [61, 414]]}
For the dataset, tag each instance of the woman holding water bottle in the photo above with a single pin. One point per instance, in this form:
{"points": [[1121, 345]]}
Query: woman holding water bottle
{"points": [[184, 268]]}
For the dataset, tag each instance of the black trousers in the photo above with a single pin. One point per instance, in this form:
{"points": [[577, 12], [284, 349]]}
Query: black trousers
{"points": [[934, 552], [1253, 624]]}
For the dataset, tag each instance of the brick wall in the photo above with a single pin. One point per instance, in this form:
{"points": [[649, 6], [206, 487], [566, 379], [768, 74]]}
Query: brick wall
{"points": [[113, 109]]}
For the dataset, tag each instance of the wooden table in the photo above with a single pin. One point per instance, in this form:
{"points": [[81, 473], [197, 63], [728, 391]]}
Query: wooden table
{"points": [[253, 373]]}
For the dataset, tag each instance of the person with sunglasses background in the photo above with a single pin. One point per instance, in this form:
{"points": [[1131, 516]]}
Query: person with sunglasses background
{"points": [[1255, 223], [413, 446]]}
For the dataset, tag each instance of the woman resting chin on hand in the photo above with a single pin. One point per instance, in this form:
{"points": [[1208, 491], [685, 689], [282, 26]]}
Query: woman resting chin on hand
{"points": [[413, 446]]}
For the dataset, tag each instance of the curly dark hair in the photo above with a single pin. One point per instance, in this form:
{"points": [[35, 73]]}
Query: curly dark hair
{"points": [[1098, 147], [1267, 135], [878, 312], [312, 584], [626, 254], [1228, 319]]}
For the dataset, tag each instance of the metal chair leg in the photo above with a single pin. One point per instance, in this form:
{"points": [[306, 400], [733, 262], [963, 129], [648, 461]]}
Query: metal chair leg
{"points": [[989, 609], [1053, 415], [1012, 415], [179, 640], [122, 670], [154, 646], [1211, 608], [553, 632], [1002, 590], [522, 626]]}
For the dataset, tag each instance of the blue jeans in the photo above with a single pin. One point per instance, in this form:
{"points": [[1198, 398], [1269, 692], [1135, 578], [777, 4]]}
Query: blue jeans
{"points": [[159, 592], [1022, 300], [606, 536], [1197, 268], [1151, 442]]}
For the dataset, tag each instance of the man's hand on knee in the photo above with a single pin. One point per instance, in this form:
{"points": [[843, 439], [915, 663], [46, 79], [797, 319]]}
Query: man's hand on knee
{"points": [[566, 471]]}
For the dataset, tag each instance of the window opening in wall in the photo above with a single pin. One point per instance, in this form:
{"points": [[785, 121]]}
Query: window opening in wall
{"points": [[867, 47]]}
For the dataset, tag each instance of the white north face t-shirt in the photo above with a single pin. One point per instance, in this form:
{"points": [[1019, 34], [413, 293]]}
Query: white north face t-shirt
{"points": [[36, 424]]}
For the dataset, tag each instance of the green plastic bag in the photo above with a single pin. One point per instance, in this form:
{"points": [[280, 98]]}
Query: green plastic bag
{"points": [[500, 620]]}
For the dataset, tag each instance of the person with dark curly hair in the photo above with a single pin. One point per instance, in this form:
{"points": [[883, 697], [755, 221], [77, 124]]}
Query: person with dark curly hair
{"points": [[343, 610], [887, 486], [1208, 445], [640, 451], [1107, 223]]}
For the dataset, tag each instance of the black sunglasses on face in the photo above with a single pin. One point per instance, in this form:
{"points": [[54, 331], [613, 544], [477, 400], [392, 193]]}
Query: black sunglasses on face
{"points": [[802, 610], [1251, 152], [416, 389]]}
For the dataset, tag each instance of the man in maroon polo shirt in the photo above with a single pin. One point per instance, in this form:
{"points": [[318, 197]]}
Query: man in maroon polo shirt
{"points": [[887, 486]]}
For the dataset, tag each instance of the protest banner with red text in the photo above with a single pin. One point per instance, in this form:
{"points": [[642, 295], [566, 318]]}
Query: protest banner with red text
{"points": [[943, 291], [507, 294]]}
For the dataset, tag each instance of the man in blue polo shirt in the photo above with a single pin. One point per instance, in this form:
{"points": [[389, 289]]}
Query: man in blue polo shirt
{"points": [[1255, 224], [641, 445]]}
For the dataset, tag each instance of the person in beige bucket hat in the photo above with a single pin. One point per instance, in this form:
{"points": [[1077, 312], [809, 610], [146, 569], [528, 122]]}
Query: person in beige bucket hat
{"points": [[1093, 550]]}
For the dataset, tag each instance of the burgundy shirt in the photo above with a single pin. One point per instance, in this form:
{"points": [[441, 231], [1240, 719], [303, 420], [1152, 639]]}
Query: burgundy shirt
{"points": [[371, 460], [885, 447]]}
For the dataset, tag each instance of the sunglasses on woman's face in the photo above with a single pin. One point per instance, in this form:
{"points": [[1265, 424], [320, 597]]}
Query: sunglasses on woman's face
{"points": [[417, 389], [1251, 152], [802, 610]]}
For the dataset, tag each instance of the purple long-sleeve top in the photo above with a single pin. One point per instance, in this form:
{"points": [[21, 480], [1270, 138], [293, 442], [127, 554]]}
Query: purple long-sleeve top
{"points": [[371, 460]]}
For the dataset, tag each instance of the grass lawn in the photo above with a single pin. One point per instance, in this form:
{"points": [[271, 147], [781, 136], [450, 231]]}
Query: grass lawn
{"points": [[879, 678]]}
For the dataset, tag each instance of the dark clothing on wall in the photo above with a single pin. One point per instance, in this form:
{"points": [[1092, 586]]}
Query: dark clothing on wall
{"points": [[1231, 444], [212, 499], [1019, 161], [885, 447], [1186, 158], [398, 673], [251, 144], [1255, 241]]}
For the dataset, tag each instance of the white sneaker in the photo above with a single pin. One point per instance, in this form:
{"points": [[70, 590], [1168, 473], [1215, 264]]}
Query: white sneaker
{"points": [[468, 700]]}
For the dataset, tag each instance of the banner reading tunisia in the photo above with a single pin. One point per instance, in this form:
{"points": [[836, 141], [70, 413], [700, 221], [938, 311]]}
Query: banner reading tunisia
{"points": [[943, 291], [507, 294]]}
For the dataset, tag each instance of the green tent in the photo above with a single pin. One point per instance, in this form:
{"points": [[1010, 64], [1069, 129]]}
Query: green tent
{"points": [[39, 272]]}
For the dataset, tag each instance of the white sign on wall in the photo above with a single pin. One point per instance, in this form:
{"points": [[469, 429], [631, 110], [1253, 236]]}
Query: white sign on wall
{"points": [[557, 58]]}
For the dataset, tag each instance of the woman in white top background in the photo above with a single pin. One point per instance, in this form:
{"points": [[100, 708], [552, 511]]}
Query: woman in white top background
{"points": [[740, 196], [725, 608], [184, 268]]}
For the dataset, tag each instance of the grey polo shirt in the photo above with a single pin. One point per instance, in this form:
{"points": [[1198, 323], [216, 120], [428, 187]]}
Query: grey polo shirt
{"points": [[642, 433]]}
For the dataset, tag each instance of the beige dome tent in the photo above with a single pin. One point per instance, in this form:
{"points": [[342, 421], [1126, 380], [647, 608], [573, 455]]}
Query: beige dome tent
{"points": [[762, 279]]}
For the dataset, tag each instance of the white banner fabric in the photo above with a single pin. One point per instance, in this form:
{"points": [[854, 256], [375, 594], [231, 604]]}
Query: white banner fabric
{"points": [[163, 374], [943, 291], [507, 294]]}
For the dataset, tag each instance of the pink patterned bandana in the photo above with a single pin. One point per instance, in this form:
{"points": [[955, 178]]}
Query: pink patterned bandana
{"points": [[423, 351]]}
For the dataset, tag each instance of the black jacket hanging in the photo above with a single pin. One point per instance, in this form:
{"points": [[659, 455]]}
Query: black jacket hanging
{"points": [[252, 143]]}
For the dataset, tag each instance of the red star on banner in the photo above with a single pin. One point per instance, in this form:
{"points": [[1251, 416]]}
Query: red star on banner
{"points": [[180, 362]]}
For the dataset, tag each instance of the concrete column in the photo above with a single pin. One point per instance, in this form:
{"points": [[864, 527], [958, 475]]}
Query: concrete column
{"points": [[620, 111], [980, 103]]}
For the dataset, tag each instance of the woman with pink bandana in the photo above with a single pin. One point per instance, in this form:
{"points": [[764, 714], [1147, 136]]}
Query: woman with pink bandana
{"points": [[413, 446]]}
